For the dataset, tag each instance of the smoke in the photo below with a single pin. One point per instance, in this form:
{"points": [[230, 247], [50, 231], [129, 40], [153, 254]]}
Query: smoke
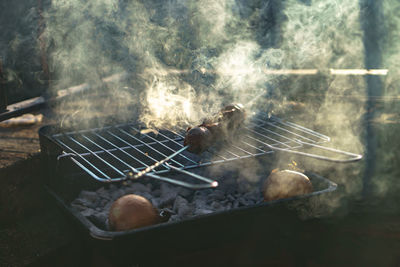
{"points": [[384, 182], [195, 55], [322, 35], [169, 103], [19, 53], [186, 59]]}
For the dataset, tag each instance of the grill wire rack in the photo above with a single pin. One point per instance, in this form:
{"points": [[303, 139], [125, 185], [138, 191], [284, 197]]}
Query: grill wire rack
{"points": [[109, 154]]}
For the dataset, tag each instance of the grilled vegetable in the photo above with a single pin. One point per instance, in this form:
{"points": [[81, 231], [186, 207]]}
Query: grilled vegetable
{"points": [[285, 184], [220, 127], [198, 139], [130, 212]]}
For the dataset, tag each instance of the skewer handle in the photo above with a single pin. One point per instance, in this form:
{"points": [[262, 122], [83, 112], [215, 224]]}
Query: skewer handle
{"points": [[208, 182], [211, 184], [152, 167]]}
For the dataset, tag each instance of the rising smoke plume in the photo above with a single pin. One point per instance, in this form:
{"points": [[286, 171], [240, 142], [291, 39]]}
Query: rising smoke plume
{"points": [[188, 58]]}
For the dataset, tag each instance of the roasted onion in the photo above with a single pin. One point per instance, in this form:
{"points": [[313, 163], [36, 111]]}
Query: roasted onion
{"points": [[131, 212], [285, 184]]}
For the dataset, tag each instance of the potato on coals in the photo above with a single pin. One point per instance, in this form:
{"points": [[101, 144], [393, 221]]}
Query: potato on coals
{"points": [[285, 184], [131, 212]]}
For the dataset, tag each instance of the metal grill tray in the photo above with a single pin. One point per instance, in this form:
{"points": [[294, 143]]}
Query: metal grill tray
{"points": [[108, 154], [272, 220]]}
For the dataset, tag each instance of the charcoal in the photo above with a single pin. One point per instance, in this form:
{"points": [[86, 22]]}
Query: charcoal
{"points": [[79, 207], [88, 195], [168, 195], [184, 192], [129, 190], [107, 225], [145, 195], [87, 200], [112, 187], [92, 205], [100, 219], [253, 195], [217, 195], [199, 193], [178, 202], [103, 202], [102, 192], [115, 194], [149, 187], [224, 202], [244, 187], [245, 202], [201, 204], [78, 202], [167, 189], [169, 210], [216, 205], [203, 211], [167, 199], [155, 202], [108, 206], [88, 212], [138, 187], [181, 206], [156, 193], [174, 218]]}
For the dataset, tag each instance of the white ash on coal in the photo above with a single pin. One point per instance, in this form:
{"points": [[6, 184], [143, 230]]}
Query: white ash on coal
{"points": [[177, 202]]}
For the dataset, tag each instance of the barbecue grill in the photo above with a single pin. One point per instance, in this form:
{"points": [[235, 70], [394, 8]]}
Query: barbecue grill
{"points": [[88, 159]]}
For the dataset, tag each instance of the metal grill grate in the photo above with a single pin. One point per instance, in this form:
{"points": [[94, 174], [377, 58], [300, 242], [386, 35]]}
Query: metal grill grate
{"points": [[108, 153]]}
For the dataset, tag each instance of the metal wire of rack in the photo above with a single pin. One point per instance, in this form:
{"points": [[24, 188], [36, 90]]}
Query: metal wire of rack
{"points": [[108, 153]]}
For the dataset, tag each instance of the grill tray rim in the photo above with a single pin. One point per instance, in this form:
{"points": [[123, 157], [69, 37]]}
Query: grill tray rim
{"points": [[209, 229], [100, 234], [50, 150]]}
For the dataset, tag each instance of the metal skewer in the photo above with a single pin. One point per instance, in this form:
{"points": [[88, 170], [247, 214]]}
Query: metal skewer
{"points": [[209, 183], [152, 167]]}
